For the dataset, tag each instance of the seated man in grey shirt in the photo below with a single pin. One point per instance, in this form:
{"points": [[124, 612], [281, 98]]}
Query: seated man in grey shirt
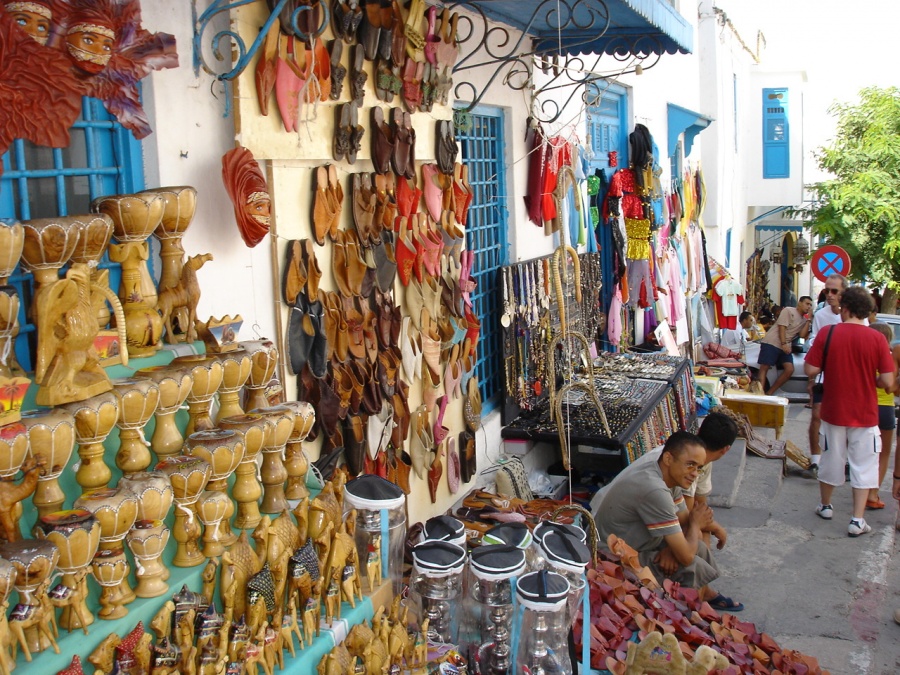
{"points": [[644, 505]]}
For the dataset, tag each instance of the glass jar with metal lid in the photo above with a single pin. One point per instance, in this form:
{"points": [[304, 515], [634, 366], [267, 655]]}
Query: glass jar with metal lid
{"points": [[541, 629], [434, 589], [487, 608], [564, 554], [380, 528]]}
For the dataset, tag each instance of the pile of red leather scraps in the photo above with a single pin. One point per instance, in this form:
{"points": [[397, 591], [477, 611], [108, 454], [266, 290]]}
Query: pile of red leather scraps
{"points": [[623, 610]]}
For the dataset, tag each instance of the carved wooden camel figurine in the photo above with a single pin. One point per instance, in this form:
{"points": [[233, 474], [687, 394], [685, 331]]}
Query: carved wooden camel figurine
{"points": [[74, 598], [34, 616], [11, 494], [186, 293]]}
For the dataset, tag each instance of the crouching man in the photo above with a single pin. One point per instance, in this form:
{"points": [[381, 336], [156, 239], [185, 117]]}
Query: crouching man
{"points": [[644, 505]]}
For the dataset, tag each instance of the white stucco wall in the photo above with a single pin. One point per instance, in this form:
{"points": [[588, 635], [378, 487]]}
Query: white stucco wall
{"points": [[774, 191]]}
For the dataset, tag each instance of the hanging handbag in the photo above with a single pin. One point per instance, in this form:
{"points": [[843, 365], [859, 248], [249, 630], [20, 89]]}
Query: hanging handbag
{"points": [[512, 481], [819, 387]]}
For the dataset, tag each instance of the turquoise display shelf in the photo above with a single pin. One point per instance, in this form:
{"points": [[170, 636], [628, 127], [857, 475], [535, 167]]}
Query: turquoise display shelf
{"points": [[70, 644]]}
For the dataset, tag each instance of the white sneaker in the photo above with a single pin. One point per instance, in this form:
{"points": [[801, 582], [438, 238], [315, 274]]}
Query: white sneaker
{"points": [[858, 527], [824, 511]]}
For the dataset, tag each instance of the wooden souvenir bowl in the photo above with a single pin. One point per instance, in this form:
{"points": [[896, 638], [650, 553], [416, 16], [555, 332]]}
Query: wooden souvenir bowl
{"points": [[153, 492], [51, 433], [9, 307], [12, 238], [116, 509], [207, 373], [94, 417], [138, 401], [76, 533], [174, 384], [236, 366], [282, 418], [13, 448], [96, 231], [264, 354], [223, 449], [7, 579], [188, 475], [34, 561], [49, 243], [134, 216], [180, 204], [304, 419], [253, 427], [147, 541]]}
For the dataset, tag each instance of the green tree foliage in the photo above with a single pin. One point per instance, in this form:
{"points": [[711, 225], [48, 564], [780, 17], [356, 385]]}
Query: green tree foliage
{"points": [[859, 209]]}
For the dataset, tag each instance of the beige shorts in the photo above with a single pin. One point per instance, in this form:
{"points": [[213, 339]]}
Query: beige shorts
{"points": [[860, 446]]}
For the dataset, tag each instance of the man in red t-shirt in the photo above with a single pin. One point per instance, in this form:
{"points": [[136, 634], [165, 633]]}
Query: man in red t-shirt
{"points": [[857, 361]]}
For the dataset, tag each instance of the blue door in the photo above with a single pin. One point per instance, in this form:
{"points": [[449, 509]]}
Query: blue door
{"points": [[608, 132]]}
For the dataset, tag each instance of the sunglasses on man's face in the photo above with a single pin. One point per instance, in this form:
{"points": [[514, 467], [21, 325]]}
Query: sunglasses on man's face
{"points": [[833, 291]]}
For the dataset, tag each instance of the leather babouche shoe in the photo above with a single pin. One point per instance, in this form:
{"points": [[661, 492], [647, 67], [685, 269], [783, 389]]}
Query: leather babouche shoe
{"points": [[354, 443], [434, 185], [410, 350], [421, 441], [293, 278], [335, 194], [357, 131], [400, 432], [370, 29], [266, 69], [323, 205], [311, 266], [453, 466], [405, 253], [354, 318], [382, 141], [340, 265], [358, 75], [338, 71], [364, 201], [404, 467], [356, 266], [440, 432], [385, 263], [389, 21], [412, 85], [301, 334], [408, 196], [341, 145], [400, 154]]}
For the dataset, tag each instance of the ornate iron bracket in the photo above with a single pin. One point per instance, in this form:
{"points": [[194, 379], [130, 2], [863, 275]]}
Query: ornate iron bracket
{"points": [[490, 44], [204, 19]]}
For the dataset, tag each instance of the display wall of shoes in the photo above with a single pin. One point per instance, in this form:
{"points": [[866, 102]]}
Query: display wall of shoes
{"points": [[359, 348], [404, 52]]}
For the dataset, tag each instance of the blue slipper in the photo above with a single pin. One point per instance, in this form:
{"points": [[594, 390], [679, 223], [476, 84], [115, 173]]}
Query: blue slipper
{"points": [[725, 604]]}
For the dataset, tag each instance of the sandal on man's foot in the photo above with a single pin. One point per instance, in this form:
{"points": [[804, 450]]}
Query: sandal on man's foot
{"points": [[725, 604]]}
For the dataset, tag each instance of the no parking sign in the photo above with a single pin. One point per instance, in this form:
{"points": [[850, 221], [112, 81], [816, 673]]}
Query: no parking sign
{"points": [[830, 260]]}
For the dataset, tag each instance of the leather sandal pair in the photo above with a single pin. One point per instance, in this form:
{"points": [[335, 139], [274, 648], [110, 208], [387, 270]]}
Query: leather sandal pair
{"points": [[327, 203], [446, 147], [403, 155], [364, 202], [382, 142], [347, 263], [348, 133], [345, 20], [408, 195], [378, 19], [307, 342]]}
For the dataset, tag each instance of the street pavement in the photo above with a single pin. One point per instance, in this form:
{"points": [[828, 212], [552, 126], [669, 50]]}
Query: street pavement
{"points": [[801, 578]]}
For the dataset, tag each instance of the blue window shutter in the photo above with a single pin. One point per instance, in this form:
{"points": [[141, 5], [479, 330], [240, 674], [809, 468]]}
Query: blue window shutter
{"points": [[776, 134]]}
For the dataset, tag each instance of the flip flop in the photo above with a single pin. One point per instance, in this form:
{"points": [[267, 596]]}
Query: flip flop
{"points": [[725, 604], [874, 504]]}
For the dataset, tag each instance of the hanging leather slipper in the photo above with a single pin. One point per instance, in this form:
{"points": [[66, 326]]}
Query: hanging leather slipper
{"points": [[287, 88], [294, 277], [338, 71], [370, 28], [357, 131], [311, 266], [322, 212], [266, 69], [340, 147], [400, 154], [358, 76], [453, 467], [335, 195], [382, 142]]}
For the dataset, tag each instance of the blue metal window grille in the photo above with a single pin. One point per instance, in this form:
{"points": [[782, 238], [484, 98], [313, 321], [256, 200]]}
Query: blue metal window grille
{"points": [[480, 137], [102, 158]]}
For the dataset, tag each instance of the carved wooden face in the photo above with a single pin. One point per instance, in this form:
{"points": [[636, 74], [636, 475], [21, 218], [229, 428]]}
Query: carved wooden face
{"points": [[33, 18], [91, 47], [258, 208]]}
